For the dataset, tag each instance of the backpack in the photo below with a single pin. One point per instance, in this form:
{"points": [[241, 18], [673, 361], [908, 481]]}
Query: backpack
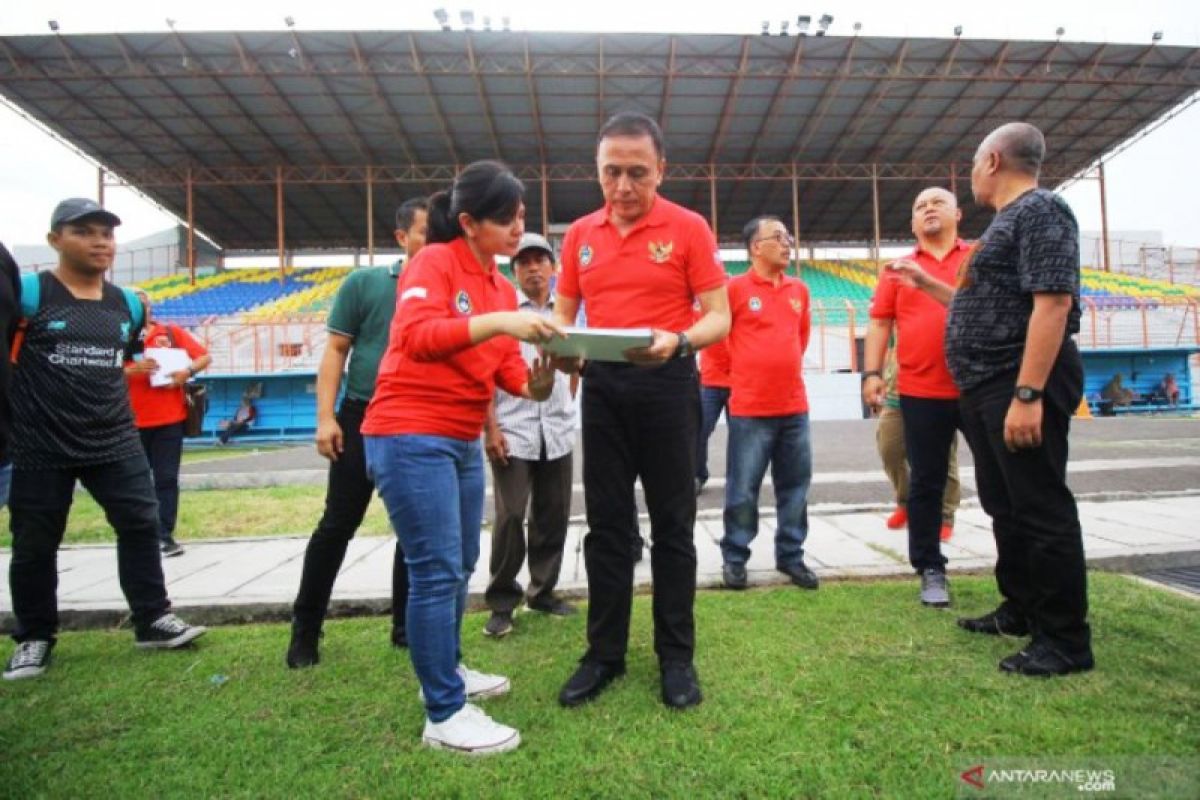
{"points": [[31, 301]]}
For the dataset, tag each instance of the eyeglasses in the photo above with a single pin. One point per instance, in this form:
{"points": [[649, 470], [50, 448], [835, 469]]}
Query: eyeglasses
{"points": [[784, 239]]}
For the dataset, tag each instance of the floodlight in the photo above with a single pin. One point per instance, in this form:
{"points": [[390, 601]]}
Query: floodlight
{"points": [[857, 27], [53, 25], [766, 30], [958, 30], [289, 21], [442, 18], [1156, 36], [468, 18], [170, 23], [825, 21], [783, 28], [802, 23], [505, 22], [1059, 31], [487, 23]]}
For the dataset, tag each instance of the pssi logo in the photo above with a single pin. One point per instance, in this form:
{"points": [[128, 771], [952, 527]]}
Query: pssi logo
{"points": [[462, 302]]}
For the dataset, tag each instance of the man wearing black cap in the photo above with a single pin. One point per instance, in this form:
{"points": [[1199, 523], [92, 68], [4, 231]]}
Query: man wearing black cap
{"points": [[73, 348], [529, 445]]}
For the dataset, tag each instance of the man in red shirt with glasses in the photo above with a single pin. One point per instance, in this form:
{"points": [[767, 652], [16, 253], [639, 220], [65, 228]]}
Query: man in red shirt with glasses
{"points": [[768, 406], [928, 394]]}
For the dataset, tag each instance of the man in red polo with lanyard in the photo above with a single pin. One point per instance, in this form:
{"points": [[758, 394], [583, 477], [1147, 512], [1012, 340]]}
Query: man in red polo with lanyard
{"points": [[641, 261], [928, 395]]}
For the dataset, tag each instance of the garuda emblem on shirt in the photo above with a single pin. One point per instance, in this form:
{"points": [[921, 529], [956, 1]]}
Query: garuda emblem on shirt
{"points": [[660, 252]]}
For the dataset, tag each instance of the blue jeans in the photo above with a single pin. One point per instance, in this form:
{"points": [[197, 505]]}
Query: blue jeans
{"points": [[784, 442], [713, 400], [432, 487], [5, 482]]}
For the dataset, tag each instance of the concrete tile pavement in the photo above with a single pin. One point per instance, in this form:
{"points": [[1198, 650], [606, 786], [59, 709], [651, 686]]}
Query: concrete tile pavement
{"points": [[256, 579]]}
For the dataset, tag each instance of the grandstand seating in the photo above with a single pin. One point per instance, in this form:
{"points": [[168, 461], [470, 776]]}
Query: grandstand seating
{"points": [[237, 291]]}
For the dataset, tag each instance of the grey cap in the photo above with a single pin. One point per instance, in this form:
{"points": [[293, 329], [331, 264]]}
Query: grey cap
{"points": [[534, 241], [74, 209]]}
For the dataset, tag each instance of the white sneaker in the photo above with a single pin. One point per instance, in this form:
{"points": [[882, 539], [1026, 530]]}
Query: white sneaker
{"points": [[479, 685], [470, 732]]}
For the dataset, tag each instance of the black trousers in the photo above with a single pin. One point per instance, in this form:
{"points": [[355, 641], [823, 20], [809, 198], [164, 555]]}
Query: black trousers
{"points": [[640, 422], [1040, 568], [39, 504], [930, 426], [347, 496], [544, 487], [164, 450]]}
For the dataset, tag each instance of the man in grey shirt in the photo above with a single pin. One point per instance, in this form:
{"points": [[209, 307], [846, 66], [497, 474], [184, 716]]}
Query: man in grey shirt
{"points": [[529, 445]]}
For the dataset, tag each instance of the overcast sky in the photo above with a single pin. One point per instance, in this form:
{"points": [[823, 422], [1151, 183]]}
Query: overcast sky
{"points": [[1151, 186]]}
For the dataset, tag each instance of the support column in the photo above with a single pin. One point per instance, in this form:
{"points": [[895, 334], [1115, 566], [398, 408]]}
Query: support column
{"points": [[100, 185], [545, 203], [796, 218], [1104, 220], [954, 179], [191, 230], [370, 219], [875, 209], [279, 222], [712, 202]]}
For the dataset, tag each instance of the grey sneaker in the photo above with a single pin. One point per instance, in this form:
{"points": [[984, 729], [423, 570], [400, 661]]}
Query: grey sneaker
{"points": [[499, 624], [935, 589], [30, 660], [172, 548]]}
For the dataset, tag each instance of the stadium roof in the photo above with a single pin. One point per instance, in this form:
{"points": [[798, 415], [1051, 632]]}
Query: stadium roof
{"points": [[743, 115]]}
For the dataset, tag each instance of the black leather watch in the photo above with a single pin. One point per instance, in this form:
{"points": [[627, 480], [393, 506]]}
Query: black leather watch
{"points": [[684, 349], [871, 373], [1028, 394]]}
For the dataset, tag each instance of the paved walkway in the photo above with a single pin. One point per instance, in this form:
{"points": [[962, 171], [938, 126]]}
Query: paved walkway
{"points": [[256, 579]]}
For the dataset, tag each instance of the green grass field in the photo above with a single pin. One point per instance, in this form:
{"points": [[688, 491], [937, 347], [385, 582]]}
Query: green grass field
{"points": [[853, 691], [220, 514]]}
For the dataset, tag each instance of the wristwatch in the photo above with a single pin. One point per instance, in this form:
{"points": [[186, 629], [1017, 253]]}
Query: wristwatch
{"points": [[1028, 394], [684, 349], [871, 373]]}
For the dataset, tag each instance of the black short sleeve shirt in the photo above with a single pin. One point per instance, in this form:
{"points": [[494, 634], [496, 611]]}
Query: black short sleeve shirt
{"points": [[1031, 247], [70, 401]]}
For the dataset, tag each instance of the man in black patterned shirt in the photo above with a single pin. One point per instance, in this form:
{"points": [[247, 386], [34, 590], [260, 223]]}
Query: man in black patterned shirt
{"points": [[1009, 348], [71, 421]]}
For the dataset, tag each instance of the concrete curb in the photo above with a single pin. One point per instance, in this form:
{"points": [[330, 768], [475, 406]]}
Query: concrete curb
{"points": [[251, 611]]}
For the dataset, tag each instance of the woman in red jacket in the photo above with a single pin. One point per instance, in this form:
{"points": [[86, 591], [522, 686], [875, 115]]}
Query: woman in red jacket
{"points": [[453, 339]]}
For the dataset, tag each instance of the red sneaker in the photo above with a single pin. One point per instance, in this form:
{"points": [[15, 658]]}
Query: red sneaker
{"points": [[947, 532], [898, 519]]}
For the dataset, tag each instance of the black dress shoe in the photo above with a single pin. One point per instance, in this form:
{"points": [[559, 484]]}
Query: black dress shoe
{"points": [[399, 637], [1043, 660], [303, 649], [1000, 622], [734, 576], [680, 685], [801, 575], [589, 680]]}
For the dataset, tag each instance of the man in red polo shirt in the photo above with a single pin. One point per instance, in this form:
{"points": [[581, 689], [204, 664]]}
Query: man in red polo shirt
{"points": [[641, 261], [768, 406], [928, 395]]}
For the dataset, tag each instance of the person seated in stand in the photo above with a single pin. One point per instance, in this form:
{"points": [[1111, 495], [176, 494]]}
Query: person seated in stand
{"points": [[1117, 393], [1167, 390], [242, 418]]}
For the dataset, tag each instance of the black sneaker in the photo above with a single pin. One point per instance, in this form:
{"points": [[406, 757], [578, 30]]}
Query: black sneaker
{"points": [[168, 632], [734, 576], [801, 575], [399, 637], [637, 545], [303, 650], [1043, 660], [499, 624], [172, 548], [555, 607], [30, 660], [680, 685], [588, 681], [1000, 622]]}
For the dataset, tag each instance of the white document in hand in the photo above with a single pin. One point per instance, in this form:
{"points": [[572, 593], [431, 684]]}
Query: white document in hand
{"points": [[170, 360], [599, 344]]}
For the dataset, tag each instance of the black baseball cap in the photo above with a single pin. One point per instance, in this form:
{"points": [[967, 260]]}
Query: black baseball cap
{"points": [[74, 209]]}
